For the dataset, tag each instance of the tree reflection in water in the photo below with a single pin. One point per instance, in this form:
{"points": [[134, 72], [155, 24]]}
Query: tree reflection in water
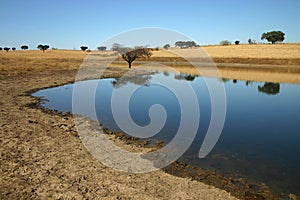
{"points": [[184, 76], [269, 88], [143, 79]]}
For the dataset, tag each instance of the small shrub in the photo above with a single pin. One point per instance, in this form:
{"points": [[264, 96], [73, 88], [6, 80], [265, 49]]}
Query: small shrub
{"points": [[166, 46], [225, 42]]}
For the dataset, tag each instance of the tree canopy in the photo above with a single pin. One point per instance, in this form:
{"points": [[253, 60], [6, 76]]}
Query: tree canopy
{"points": [[43, 47], [130, 54], [273, 36], [6, 48], [101, 48], [24, 47], [269, 88], [225, 42], [185, 44], [166, 46], [83, 48]]}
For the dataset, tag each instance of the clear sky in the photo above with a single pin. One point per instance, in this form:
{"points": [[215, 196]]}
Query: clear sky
{"points": [[71, 23]]}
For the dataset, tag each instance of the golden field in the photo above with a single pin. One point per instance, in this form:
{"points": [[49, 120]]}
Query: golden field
{"points": [[287, 55]]}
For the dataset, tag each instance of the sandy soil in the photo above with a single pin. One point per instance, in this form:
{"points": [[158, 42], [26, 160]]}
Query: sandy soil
{"points": [[42, 156]]}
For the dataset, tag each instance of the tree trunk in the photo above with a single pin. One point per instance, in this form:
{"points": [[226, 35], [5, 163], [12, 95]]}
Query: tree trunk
{"points": [[129, 64]]}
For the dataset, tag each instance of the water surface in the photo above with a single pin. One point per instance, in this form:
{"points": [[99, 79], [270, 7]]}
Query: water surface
{"points": [[261, 136]]}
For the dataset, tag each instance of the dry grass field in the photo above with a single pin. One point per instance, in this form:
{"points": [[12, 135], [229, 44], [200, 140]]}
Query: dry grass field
{"points": [[278, 54], [285, 51], [54, 60]]}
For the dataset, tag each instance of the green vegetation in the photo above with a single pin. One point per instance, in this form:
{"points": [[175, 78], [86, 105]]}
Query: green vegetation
{"points": [[24, 47], [83, 48], [185, 44], [6, 49], [166, 46], [43, 47], [225, 42], [101, 48], [273, 36]]}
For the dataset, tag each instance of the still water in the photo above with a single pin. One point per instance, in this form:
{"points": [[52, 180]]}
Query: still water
{"points": [[260, 139]]}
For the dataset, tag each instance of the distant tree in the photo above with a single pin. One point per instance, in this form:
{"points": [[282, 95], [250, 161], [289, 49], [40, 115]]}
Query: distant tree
{"points": [[6, 49], [14, 48], [273, 36], [269, 88], [225, 42], [129, 54], [24, 47], [43, 47], [116, 47], [1, 48], [185, 44], [190, 44], [237, 42], [179, 44], [101, 48], [83, 48], [251, 41], [166, 46]]}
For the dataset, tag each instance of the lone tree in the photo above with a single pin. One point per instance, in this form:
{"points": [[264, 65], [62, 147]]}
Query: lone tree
{"points": [[273, 36], [166, 46], [83, 48], [14, 48], [101, 48], [1, 48], [129, 54], [237, 42], [225, 42], [6, 49], [24, 47], [43, 47]]}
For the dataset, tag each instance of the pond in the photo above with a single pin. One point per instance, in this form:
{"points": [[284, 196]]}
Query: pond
{"points": [[260, 139]]}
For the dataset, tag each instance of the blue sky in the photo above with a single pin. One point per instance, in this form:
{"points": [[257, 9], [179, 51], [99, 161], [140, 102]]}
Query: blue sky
{"points": [[69, 24]]}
